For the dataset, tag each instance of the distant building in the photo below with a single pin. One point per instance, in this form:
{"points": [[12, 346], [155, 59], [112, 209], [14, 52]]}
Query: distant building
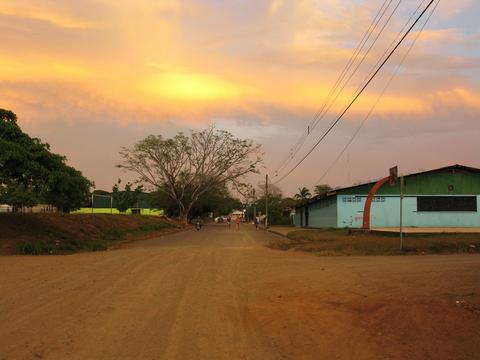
{"points": [[444, 197], [237, 214], [40, 208]]}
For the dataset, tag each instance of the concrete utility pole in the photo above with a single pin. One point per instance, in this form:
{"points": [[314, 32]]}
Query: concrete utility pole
{"points": [[266, 201], [401, 212]]}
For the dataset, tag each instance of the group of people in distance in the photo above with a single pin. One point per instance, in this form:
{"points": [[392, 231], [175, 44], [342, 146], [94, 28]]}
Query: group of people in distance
{"points": [[237, 222]]}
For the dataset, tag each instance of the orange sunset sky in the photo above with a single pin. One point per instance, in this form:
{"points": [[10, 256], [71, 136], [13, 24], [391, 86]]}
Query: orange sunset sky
{"points": [[91, 76]]}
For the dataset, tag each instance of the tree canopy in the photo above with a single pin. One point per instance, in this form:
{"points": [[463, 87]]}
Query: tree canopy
{"points": [[322, 189], [186, 167], [125, 199], [30, 173]]}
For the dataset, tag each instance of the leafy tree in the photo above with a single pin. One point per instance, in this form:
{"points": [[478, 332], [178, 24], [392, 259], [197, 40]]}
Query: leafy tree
{"points": [[125, 199], [218, 200], [322, 189], [67, 189], [30, 173], [276, 207], [18, 195], [7, 116], [303, 194], [187, 167]]}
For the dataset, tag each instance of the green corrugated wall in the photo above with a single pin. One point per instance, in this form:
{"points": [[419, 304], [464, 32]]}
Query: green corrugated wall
{"points": [[434, 183]]}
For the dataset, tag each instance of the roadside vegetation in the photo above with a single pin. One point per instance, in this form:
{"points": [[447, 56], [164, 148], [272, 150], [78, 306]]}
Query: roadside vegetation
{"points": [[36, 234], [31, 174], [345, 242]]}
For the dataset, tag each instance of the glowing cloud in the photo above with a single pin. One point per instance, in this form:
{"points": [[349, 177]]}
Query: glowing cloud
{"points": [[191, 87], [36, 12]]}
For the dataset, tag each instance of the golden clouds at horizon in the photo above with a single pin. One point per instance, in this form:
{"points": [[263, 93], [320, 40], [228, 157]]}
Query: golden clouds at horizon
{"points": [[161, 57]]}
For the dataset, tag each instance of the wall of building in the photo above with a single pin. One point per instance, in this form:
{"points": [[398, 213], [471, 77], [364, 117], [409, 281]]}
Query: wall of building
{"points": [[385, 212], [320, 215], [323, 214], [297, 217]]}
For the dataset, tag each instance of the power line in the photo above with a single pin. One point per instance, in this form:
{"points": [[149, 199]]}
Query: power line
{"points": [[353, 58], [318, 116], [380, 96], [393, 42], [364, 56], [388, 83], [330, 128]]}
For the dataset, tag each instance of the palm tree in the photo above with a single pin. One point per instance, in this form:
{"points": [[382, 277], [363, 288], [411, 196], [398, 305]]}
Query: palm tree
{"points": [[303, 194]]}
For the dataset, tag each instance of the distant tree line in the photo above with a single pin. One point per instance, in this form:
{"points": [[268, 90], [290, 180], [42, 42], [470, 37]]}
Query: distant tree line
{"points": [[31, 174]]}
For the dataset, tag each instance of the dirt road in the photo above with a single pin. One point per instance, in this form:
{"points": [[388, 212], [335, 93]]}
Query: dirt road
{"points": [[219, 294]]}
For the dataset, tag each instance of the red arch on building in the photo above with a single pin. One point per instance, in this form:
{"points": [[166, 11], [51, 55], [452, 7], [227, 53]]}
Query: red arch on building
{"points": [[368, 203]]}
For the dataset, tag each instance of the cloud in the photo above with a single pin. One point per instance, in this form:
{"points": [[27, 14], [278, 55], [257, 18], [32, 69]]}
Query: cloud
{"points": [[256, 65], [35, 11]]}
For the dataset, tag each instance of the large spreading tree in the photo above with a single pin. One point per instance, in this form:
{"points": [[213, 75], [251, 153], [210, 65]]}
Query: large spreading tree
{"points": [[30, 173], [186, 167]]}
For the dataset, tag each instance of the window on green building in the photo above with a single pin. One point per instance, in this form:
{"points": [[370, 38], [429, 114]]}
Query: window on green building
{"points": [[446, 203]]}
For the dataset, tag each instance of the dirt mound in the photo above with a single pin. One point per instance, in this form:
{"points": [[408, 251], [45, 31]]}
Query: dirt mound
{"points": [[65, 233]]}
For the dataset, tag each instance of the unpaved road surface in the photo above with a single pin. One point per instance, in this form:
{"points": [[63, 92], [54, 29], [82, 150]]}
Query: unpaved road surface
{"points": [[221, 294]]}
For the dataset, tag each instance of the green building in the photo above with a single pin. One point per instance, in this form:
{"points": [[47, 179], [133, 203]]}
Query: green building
{"points": [[444, 197]]}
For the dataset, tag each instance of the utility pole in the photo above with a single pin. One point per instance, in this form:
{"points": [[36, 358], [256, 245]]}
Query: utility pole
{"points": [[92, 203], [401, 212], [254, 205], [266, 201]]}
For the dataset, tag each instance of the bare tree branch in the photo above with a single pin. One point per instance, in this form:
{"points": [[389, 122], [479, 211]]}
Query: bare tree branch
{"points": [[185, 167]]}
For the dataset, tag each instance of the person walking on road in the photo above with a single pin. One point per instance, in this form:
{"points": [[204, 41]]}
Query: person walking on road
{"points": [[229, 222], [256, 223], [237, 221]]}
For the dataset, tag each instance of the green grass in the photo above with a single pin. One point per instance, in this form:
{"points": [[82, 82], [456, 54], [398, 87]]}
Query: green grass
{"points": [[158, 212], [343, 242]]}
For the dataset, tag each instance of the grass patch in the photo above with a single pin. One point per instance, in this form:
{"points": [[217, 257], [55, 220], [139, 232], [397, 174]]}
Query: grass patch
{"points": [[59, 247], [344, 242], [35, 234], [114, 234]]}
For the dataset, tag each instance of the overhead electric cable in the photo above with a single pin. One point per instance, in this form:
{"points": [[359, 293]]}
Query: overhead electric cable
{"points": [[358, 49], [363, 57], [351, 75], [391, 44], [372, 109], [334, 123]]}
